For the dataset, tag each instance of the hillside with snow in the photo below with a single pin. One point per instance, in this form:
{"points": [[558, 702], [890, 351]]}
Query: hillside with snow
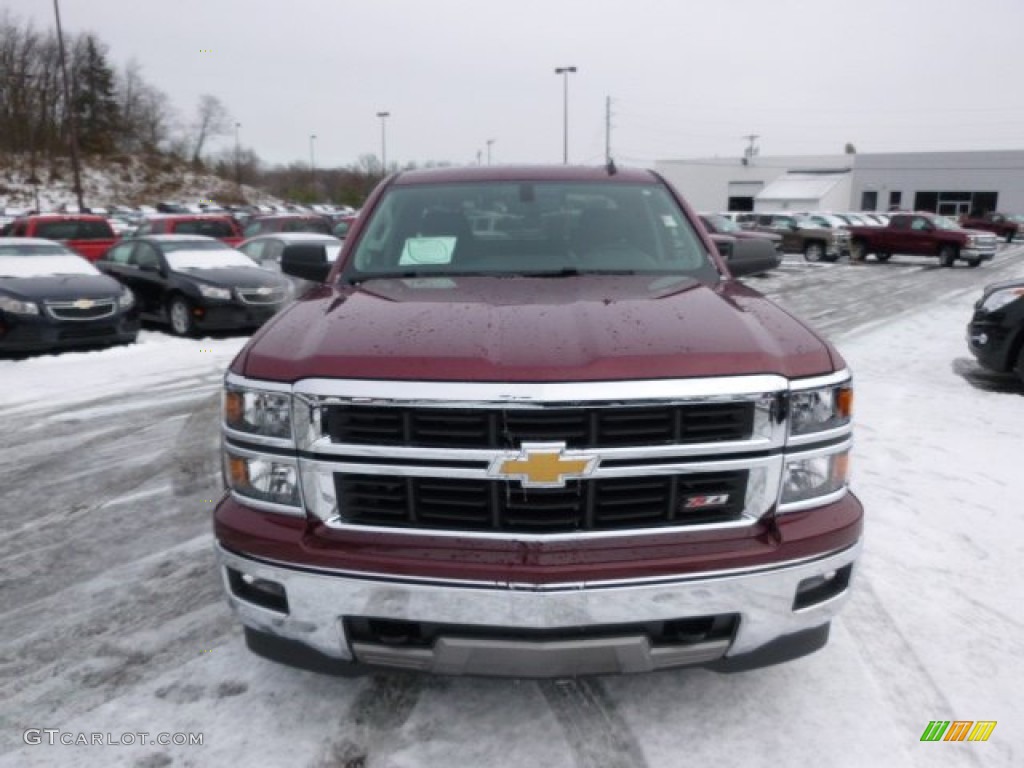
{"points": [[116, 180]]}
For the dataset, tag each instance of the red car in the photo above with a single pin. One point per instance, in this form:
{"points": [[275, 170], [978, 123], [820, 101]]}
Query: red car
{"points": [[86, 234], [287, 222], [569, 443], [222, 227]]}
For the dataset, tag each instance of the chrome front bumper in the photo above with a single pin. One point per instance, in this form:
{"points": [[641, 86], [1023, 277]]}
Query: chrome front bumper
{"points": [[317, 604]]}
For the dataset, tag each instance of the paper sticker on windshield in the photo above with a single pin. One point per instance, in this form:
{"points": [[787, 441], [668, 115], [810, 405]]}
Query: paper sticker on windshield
{"points": [[427, 250], [668, 221]]}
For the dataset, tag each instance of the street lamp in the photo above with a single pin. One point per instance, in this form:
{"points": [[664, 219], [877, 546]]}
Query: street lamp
{"points": [[383, 142], [489, 143], [312, 165], [564, 72]]}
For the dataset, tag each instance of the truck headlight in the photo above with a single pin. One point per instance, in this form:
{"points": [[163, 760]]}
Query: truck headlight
{"points": [[258, 412], [126, 300], [269, 479], [806, 479], [15, 307], [999, 299], [820, 409]]}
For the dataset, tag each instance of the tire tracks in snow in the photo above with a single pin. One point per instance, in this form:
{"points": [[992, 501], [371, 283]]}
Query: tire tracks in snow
{"points": [[597, 734], [369, 726]]}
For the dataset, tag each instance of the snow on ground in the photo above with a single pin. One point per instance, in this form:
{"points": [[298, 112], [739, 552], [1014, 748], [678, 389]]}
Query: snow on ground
{"points": [[157, 365], [933, 631]]}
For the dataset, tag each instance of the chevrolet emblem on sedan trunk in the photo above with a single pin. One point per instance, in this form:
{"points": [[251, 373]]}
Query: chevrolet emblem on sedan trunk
{"points": [[542, 465]]}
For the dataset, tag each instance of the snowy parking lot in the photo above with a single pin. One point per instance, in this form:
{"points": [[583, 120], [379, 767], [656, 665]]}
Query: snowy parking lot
{"points": [[113, 621]]}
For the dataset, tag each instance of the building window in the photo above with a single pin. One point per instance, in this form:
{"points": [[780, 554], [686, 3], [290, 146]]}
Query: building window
{"points": [[868, 200], [955, 203], [895, 199]]}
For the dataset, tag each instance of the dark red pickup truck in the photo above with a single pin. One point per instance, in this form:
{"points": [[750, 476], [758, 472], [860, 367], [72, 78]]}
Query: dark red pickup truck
{"points": [[569, 442], [923, 234], [86, 234], [998, 223]]}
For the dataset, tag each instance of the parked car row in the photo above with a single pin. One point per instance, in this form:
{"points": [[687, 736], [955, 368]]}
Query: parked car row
{"points": [[827, 236]]}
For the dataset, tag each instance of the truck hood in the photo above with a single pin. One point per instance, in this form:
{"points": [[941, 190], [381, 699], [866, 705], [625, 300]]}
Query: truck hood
{"points": [[580, 328]]}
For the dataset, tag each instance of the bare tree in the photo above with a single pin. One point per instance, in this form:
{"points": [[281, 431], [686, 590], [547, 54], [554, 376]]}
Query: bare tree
{"points": [[212, 120]]}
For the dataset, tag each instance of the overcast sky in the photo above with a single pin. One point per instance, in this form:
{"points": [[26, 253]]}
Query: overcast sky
{"points": [[686, 78]]}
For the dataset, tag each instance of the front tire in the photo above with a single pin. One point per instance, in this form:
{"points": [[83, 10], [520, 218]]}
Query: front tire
{"points": [[947, 256], [883, 256], [814, 251], [180, 315], [974, 262]]}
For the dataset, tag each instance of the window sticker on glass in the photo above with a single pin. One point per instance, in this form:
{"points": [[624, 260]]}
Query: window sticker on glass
{"points": [[427, 250], [669, 221]]}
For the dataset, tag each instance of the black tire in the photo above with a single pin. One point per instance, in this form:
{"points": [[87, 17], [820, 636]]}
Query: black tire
{"points": [[814, 251], [858, 250], [179, 316], [947, 255], [883, 256], [1009, 237], [974, 262], [1019, 368]]}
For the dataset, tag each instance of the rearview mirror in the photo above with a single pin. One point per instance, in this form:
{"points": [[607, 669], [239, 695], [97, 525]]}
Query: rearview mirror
{"points": [[306, 260]]}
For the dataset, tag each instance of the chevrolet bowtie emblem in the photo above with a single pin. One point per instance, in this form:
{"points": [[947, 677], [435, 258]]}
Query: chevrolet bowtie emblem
{"points": [[84, 304], [542, 465]]}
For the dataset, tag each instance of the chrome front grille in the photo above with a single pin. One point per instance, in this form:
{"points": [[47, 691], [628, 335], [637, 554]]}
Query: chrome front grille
{"points": [[262, 295], [81, 309], [581, 427], [595, 505], [699, 453]]}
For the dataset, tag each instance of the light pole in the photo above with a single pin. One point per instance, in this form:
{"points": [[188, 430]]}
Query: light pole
{"points": [[489, 143], [312, 165], [564, 72], [383, 142], [238, 162], [72, 121]]}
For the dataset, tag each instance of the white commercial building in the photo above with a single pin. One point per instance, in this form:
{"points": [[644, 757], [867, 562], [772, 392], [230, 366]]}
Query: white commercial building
{"points": [[951, 183]]}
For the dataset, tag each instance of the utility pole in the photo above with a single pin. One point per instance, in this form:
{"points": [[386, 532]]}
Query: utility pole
{"points": [[312, 167], [72, 121], [607, 129], [383, 142], [238, 162], [751, 150], [489, 143]]}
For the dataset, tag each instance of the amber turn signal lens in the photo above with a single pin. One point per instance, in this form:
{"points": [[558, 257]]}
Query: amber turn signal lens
{"points": [[239, 470], [233, 407], [844, 402], [841, 468]]}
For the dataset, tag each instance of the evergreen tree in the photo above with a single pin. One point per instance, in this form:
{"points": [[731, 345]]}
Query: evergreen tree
{"points": [[95, 103]]}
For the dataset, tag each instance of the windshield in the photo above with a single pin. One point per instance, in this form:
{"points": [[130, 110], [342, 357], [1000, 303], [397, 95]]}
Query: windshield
{"points": [[72, 229], [207, 258], [208, 227], [17, 265], [941, 222], [36, 249], [511, 228]]}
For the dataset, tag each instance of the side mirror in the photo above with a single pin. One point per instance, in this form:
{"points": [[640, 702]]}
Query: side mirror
{"points": [[752, 257], [307, 261]]}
